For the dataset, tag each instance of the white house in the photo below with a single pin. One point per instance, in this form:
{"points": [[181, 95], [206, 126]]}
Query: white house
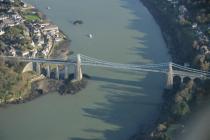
{"points": [[194, 25], [3, 17], [51, 28], [1, 32], [25, 53], [12, 51], [16, 16], [182, 9]]}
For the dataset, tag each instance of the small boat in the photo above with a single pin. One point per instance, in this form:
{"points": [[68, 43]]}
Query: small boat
{"points": [[90, 35], [48, 7], [78, 22]]}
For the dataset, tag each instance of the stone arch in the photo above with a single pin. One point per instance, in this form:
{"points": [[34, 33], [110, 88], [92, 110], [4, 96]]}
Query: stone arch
{"points": [[186, 80], [177, 80], [28, 67], [197, 81], [44, 71]]}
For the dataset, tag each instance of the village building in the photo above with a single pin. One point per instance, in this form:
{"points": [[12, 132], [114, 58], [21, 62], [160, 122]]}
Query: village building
{"points": [[42, 25], [204, 49], [25, 54], [9, 23], [34, 52], [182, 9], [194, 25], [53, 29], [3, 17], [1, 31]]}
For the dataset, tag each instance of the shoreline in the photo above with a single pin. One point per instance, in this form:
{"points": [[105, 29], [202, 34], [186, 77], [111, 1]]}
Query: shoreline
{"points": [[160, 21], [168, 124], [163, 122], [176, 47]]}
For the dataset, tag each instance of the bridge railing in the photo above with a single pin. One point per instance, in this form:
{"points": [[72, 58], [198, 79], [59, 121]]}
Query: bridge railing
{"points": [[88, 61]]}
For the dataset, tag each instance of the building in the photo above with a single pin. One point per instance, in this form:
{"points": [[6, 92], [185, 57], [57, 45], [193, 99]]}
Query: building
{"points": [[3, 17], [25, 54], [16, 16], [1, 32], [13, 51], [194, 25], [9, 23], [53, 29], [182, 9]]}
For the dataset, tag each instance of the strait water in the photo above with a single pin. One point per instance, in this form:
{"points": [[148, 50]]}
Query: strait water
{"points": [[115, 103]]}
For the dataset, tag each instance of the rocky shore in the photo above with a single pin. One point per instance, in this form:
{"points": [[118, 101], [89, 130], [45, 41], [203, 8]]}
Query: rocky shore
{"points": [[43, 87]]}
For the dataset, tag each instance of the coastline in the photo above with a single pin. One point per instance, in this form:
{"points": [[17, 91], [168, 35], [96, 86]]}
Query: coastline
{"points": [[169, 32], [169, 123]]}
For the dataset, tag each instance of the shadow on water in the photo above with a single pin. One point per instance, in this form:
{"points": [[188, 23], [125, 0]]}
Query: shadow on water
{"points": [[129, 100], [124, 98]]}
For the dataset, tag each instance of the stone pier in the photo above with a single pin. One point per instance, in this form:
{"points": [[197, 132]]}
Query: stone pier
{"points": [[78, 69], [181, 79], [48, 71], [57, 74], [38, 68], [66, 74], [169, 82]]}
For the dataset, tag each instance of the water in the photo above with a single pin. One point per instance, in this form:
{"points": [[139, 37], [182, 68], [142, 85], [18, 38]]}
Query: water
{"points": [[115, 103]]}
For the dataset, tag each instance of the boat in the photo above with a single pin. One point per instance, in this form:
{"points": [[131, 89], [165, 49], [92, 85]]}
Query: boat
{"points": [[48, 7], [78, 22], [90, 35]]}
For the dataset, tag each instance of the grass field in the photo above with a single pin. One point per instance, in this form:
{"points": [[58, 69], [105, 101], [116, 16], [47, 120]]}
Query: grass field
{"points": [[31, 17]]}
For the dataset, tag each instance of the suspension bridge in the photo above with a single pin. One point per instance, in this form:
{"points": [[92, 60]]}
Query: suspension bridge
{"points": [[78, 61]]}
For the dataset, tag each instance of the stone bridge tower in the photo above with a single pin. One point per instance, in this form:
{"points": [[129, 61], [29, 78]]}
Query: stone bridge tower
{"points": [[78, 69], [170, 75]]}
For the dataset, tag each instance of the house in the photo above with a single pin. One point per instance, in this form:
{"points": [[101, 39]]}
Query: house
{"points": [[32, 43], [23, 4], [16, 16], [40, 41], [182, 9], [12, 51], [51, 28], [204, 49], [9, 23], [58, 39], [25, 53], [3, 17], [1, 32], [42, 25], [46, 51], [203, 39], [34, 52], [194, 25], [36, 30]]}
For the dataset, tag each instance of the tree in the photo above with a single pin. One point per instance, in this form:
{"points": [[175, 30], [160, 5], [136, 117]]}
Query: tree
{"points": [[181, 109]]}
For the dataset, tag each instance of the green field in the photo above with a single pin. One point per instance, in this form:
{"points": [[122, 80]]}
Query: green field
{"points": [[31, 17]]}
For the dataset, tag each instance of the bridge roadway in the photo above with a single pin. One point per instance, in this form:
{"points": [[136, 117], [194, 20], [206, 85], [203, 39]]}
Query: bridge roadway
{"points": [[40, 60], [178, 70]]}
